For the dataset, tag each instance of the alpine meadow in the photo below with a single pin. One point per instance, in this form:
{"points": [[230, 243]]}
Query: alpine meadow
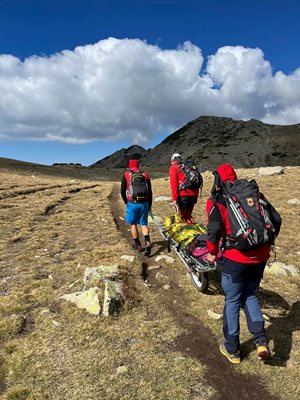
{"points": [[58, 222]]}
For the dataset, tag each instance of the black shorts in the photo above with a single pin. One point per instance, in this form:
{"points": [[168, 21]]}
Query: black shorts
{"points": [[187, 202]]}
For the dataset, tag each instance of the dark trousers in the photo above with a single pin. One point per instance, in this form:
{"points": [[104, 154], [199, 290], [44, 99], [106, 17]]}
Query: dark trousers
{"points": [[186, 206], [239, 283]]}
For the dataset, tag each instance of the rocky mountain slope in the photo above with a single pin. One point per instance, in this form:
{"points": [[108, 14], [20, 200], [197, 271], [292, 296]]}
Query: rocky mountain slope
{"points": [[120, 158], [214, 140]]}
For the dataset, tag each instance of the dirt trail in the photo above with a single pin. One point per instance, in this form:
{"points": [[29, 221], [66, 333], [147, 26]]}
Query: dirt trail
{"points": [[198, 340]]}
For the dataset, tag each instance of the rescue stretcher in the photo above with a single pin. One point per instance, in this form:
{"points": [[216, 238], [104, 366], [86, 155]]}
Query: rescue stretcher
{"points": [[199, 269]]}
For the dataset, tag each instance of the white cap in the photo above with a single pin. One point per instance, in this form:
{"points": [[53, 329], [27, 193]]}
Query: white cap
{"points": [[175, 155]]}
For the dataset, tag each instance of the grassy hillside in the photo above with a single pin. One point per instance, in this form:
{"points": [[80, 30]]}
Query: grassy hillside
{"points": [[53, 227]]}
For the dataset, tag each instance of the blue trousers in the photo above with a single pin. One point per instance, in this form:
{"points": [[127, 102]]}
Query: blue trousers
{"points": [[239, 283]]}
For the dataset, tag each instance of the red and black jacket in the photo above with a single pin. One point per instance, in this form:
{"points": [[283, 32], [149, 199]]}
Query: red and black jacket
{"points": [[125, 183], [218, 226], [177, 176]]}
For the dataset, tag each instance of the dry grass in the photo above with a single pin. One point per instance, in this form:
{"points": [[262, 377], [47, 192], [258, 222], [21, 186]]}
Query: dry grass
{"points": [[52, 229], [279, 296], [52, 350]]}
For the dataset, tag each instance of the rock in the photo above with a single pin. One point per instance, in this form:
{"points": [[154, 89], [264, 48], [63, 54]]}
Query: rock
{"points": [[122, 369], [270, 170], [168, 259], [113, 298], [266, 317], [294, 202], [214, 315], [167, 287], [163, 198], [87, 300], [128, 258], [94, 275], [153, 267], [281, 269], [56, 323], [74, 283], [161, 277]]}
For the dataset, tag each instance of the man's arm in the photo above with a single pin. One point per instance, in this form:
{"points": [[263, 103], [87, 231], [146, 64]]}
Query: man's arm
{"points": [[150, 195], [174, 182], [123, 189], [214, 230]]}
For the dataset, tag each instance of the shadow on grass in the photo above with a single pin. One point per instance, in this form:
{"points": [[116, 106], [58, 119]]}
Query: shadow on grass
{"points": [[281, 327]]}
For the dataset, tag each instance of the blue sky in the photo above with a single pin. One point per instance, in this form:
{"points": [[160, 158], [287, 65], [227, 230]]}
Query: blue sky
{"points": [[136, 70]]}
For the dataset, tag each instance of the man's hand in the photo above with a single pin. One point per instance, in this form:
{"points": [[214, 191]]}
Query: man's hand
{"points": [[175, 205], [211, 258]]}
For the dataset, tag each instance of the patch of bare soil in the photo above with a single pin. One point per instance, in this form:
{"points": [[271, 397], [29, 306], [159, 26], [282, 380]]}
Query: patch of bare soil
{"points": [[197, 341]]}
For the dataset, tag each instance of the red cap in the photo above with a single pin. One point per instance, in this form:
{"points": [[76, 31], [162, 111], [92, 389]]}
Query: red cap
{"points": [[227, 173], [133, 164]]}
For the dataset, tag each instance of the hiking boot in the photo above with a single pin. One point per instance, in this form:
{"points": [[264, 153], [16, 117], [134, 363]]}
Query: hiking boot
{"points": [[263, 351], [234, 358], [147, 249]]}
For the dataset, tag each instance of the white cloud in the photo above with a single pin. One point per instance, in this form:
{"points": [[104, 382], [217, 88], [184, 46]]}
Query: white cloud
{"points": [[117, 89]]}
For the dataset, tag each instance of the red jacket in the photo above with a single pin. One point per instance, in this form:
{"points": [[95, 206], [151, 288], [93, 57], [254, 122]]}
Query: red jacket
{"points": [[177, 176], [218, 227]]}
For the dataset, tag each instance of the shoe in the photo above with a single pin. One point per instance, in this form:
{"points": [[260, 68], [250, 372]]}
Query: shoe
{"points": [[137, 247], [147, 249], [263, 351], [234, 358]]}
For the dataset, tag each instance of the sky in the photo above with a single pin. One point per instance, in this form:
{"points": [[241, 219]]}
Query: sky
{"points": [[81, 79]]}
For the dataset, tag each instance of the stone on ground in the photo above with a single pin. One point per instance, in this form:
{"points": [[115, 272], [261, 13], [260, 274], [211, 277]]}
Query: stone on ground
{"points": [[113, 298], [281, 269], [163, 198], [127, 258], [270, 170], [214, 315], [294, 202], [95, 275], [168, 259], [87, 300]]}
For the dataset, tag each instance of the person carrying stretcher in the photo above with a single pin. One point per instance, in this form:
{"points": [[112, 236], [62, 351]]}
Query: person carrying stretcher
{"points": [[185, 182]]}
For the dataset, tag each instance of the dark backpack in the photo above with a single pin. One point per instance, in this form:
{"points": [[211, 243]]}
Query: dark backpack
{"points": [[248, 215], [193, 178], [138, 188]]}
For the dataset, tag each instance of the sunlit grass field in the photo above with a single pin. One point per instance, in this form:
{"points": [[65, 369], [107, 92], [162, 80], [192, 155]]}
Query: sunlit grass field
{"points": [[52, 229]]}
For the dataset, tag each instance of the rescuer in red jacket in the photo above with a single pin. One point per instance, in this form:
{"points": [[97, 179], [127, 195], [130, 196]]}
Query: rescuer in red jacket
{"points": [[241, 273], [183, 200], [137, 210]]}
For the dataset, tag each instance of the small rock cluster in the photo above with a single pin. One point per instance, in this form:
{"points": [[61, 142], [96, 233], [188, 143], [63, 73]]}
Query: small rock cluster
{"points": [[280, 269], [93, 281]]}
